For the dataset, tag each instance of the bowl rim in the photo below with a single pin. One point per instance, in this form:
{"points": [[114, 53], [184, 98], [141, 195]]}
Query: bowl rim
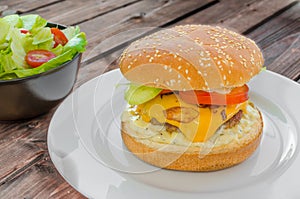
{"points": [[17, 80]]}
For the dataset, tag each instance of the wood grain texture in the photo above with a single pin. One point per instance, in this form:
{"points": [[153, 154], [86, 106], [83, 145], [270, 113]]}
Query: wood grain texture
{"points": [[279, 39], [76, 12], [132, 21], [21, 6], [255, 14], [38, 181], [217, 13], [287, 23]]}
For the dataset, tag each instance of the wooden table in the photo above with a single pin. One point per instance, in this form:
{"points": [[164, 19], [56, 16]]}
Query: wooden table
{"points": [[26, 171]]}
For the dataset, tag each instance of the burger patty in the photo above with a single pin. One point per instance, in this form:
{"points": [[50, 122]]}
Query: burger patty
{"points": [[234, 120], [229, 124]]}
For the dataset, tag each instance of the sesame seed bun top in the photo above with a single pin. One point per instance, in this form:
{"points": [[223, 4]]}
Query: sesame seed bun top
{"points": [[192, 57]]}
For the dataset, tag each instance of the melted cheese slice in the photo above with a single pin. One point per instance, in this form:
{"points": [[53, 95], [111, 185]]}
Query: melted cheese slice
{"points": [[199, 128]]}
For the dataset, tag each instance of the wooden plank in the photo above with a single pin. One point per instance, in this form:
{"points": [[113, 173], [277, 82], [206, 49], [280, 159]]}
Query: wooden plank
{"points": [[217, 13], [143, 14], [22, 144], [279, 39], [226, 9], [284, 56], [74, 12], [21, 6], [254, 14], [98, 67], [277, 28], [39, 181]]}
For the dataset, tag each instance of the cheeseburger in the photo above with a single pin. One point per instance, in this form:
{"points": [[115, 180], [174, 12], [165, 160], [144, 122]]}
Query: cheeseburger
{"points": [[188, 106]]}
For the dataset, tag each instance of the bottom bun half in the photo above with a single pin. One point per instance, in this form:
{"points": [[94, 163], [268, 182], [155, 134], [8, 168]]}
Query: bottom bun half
{"points": [[207, 157]]}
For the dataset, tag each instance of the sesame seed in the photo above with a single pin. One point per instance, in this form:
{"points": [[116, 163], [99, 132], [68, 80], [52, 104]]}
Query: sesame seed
{"points": [[129, 66], [186, 71], [229, 71], [165, 67], [179, 67], [199, 72], [179, 76], [224, 77], [189, 78], [170, 70]]}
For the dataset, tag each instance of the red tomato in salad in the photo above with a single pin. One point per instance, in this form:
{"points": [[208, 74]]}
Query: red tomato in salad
{"points": [[35, 58], [24, 31], [59, 37]]}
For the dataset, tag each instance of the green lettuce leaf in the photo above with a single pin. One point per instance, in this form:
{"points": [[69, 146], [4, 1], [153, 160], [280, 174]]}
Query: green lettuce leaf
{"points": [[5, 27], [139, 94], [76, 43], [70, 32], [14, 21], [14, 45], [33, 23], [44, 35]]}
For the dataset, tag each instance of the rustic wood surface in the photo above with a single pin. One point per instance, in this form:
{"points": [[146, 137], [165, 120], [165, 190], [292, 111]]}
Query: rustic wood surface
{"points": [[26, 171]]}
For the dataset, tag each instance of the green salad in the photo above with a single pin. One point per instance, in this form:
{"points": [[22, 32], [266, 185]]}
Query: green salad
{"points": [[28, 47]]}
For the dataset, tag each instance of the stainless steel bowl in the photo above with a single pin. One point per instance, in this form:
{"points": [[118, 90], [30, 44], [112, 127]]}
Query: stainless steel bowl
{"points": [[28, 97]]}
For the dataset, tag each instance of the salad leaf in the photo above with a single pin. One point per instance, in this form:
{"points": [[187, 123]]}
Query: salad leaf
{"points": [[139, 94], [76, 43], [44, 35], [17, 51], [70, 32], [14, 20], [14, 45], [33, 23], [5, 26]]}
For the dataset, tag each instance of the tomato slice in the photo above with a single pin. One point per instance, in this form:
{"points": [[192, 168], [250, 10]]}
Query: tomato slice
{"points": [[24, 31], [165, 91], [35, 58], [236, 96], [59, 37]]}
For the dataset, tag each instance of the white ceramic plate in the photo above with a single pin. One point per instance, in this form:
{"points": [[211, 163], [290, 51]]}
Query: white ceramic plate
{"points": [[85, 146]]}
